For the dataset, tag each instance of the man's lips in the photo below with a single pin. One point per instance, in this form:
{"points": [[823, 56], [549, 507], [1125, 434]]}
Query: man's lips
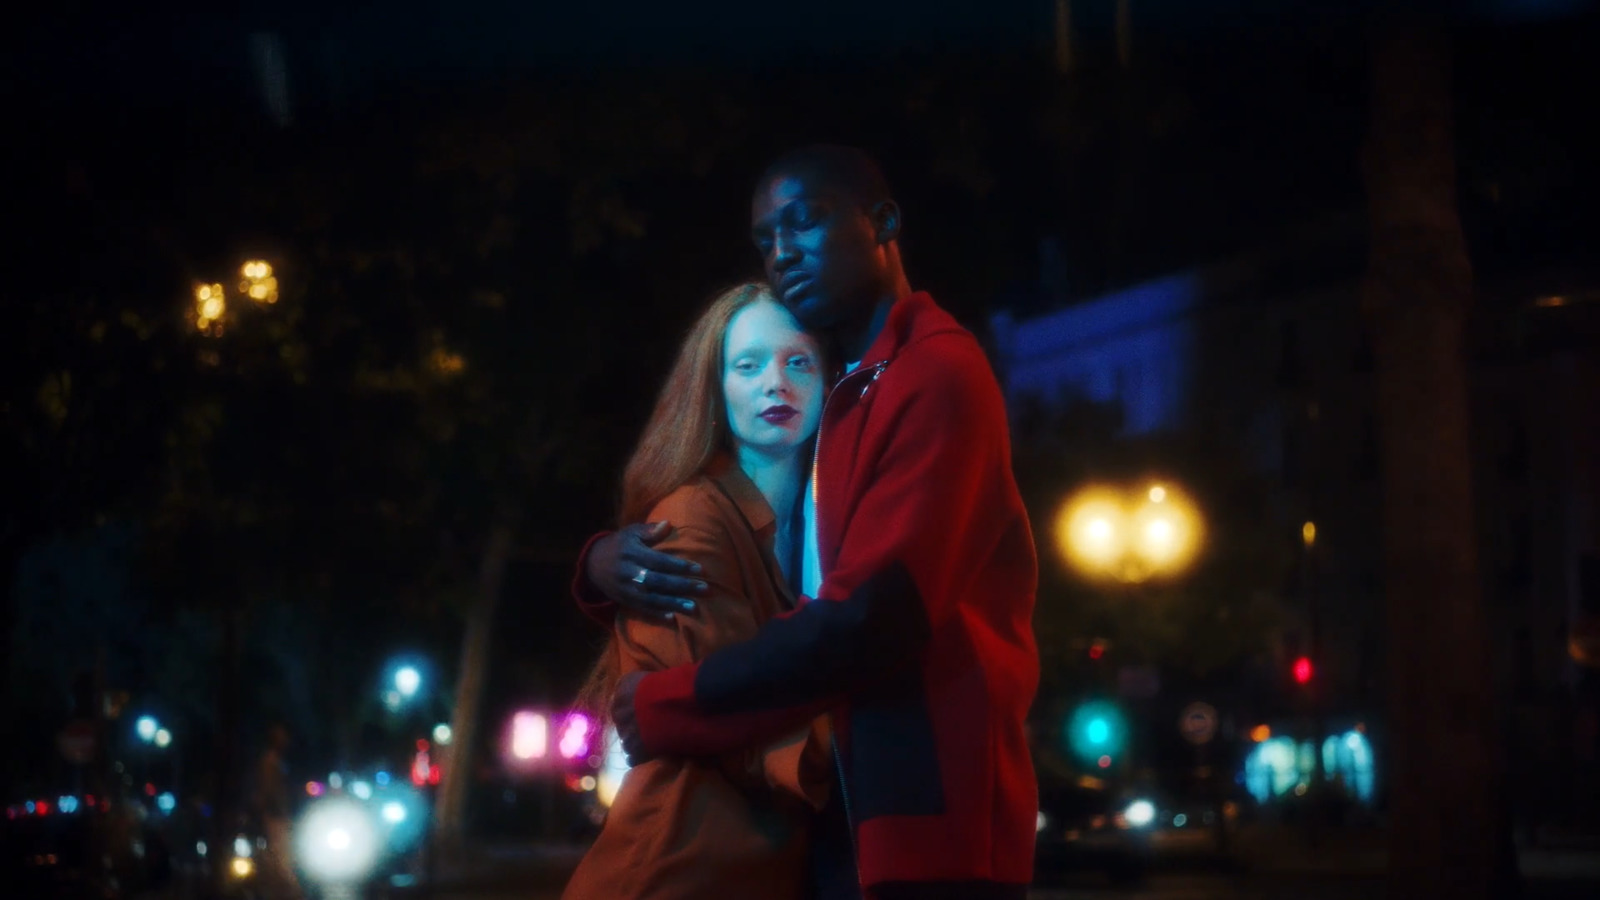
{"points": [[777, 415], [794, 284]]}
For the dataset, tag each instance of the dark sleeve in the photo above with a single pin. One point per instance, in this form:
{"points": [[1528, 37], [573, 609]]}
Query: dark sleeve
{"points": [[590, 600]]}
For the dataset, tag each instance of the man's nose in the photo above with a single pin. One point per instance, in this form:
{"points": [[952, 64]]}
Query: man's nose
{"points": [[784, 253]]}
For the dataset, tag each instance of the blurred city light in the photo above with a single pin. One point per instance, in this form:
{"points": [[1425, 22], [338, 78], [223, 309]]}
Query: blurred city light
{"points": [[210, 305], [381, 779], [1308, 533], [574, 736], [259, 284], [361, 790], [530, 735], [407, 680], [1096, 732], [446, 362], [1140, 813], [67, 804], [337, 842], [145, 728], [421, 768], [163, 738], [243, 867], [1303, 670], [394, 812], [166, 802], [441, 734], [1260, 733], [1103, 531]]}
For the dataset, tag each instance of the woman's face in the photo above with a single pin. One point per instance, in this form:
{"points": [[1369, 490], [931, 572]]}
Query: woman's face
{"points": [[771, 378]]}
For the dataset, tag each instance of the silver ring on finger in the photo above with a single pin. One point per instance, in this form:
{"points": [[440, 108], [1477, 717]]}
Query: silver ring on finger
{"points": [[639, 578]]}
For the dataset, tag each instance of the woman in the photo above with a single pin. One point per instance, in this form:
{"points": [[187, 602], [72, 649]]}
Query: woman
{"points": [[724, 459]]}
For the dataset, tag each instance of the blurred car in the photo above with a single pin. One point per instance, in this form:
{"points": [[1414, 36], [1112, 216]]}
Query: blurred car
{"points": [[1086, 825]]}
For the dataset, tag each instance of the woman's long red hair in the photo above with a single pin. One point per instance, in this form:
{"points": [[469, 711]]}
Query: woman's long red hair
{"points": [[686, 429]]}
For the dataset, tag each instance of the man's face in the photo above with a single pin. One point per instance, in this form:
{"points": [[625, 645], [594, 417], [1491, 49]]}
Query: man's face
{"points": [[820, 249]]}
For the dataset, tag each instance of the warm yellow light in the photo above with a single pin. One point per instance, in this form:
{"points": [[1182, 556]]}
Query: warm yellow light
{"points": [[606, 787], [1102, 532], [1260, 733], [1089, 530], [1308, 533], [1169, 534], [588, 783], [243, 867], [446, 363], [210, 303], [256, 269]]}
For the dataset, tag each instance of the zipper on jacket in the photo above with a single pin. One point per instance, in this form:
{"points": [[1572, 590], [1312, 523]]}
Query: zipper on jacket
{"points": [[844, 797], [875, 369]]}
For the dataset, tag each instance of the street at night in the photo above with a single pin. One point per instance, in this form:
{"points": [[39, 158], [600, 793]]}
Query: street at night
{"points": [[847, 450]]}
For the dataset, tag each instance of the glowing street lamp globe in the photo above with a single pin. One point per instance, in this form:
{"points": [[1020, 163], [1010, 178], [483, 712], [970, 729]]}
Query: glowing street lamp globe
{"points": [[1104, 532], [407, 680]]}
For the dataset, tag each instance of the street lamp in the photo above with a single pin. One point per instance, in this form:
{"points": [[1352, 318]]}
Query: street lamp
{"points": [[407, 680], [1105, 531]]}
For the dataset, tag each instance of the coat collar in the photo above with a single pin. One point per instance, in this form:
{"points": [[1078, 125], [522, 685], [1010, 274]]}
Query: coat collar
{"points": [[743, 492]]}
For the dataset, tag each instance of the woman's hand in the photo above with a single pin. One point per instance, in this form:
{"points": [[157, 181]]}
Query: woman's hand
{"points": [[623, 566]]}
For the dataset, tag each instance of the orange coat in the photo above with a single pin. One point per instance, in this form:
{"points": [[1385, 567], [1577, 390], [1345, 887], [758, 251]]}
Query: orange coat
{"points": [[688, 829]]}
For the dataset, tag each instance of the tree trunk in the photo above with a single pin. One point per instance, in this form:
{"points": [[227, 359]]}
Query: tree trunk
{"points": [[475, 646], [1447, 832]]}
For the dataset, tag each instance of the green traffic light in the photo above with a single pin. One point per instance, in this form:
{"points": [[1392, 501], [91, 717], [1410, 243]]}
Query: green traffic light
{"points": [[1096, 729]]}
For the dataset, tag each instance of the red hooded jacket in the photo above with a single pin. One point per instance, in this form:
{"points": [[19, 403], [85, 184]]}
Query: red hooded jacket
{"points": [[921, 641]]}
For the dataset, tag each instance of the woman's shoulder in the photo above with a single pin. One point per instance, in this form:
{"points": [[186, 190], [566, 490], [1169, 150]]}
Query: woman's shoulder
{"points": [[698, 503]]}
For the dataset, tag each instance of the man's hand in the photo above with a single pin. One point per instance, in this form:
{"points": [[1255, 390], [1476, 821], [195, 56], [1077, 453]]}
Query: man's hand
{"points": [[623, 566], [627, 724]]}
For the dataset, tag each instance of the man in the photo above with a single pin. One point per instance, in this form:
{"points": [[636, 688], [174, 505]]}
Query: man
{"points": [[270, 802], [918, 552]]}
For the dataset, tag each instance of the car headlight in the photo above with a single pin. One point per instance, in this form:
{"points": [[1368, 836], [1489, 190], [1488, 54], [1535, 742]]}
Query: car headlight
{"points": [[337, 841], [1140, 813]]}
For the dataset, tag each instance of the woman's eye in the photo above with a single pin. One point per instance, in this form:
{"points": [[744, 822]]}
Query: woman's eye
{"points": [[744, 365]]}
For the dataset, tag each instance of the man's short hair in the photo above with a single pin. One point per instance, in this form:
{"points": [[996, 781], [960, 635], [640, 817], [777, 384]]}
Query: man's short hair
{"points": [[848, 169]]}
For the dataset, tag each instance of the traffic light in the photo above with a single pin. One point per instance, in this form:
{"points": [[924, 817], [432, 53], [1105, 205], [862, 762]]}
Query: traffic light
{"points": [[1303, 670], [1096, 733]]}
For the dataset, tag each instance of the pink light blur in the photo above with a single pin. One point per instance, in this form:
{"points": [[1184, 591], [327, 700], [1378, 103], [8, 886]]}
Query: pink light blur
{"points": [[574, 736]]}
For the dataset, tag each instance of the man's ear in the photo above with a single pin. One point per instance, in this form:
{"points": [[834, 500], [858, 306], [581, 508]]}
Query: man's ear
{"points": [[886, 221]]}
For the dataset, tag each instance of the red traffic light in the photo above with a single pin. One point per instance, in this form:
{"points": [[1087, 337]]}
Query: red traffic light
{"points": [[1302, 670]]}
